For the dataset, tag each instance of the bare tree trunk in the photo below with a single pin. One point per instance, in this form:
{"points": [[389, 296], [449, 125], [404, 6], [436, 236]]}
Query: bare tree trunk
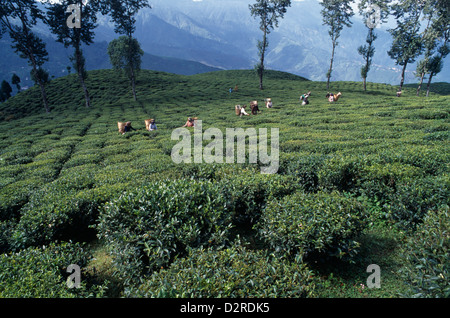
{"points": [[420, 84], [40, 83], [402, 80], [263, 52], [80, 62], [429, 83], [86, 92], [364, 83], [132, 74], [133, 83], [331, 65], [44, 96], [32, 59], [80, 71]]}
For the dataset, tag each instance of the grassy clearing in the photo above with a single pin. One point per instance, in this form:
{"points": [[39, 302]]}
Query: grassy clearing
{"points": [[59, 170]]}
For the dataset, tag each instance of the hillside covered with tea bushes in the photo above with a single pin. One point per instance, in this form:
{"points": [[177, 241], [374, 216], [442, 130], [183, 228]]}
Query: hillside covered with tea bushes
{"points": [[360, 181]]}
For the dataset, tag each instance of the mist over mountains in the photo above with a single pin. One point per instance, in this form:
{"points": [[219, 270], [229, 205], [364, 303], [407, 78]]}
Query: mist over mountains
{"points": [[195, 36], [222, 33]]}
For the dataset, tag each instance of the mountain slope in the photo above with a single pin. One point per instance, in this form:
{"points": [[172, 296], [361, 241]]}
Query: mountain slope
{"points": [[218, 32], [107, 87], [96, 58], [221, 34]]}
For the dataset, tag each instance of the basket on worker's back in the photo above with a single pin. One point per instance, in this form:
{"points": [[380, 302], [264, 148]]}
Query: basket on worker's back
{"points": [[148, 122], [121, 127], [237, 109]]}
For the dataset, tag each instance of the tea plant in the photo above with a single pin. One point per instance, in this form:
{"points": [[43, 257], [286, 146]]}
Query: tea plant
{"points": [[42, 273], [235, 272], [427, 257], [348, 173]]}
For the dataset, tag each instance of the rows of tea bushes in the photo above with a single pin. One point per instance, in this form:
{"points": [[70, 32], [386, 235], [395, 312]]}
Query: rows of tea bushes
{"points": [[426, 257], [39, 272], [233, 272], [69, 179]]}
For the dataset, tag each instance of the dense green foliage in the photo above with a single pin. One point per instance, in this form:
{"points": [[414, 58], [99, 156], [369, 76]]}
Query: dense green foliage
{"points": [[146, 229], [26, 43], [232, 272], [308, 223], [357, 179], [427, 257], [41, 273]]}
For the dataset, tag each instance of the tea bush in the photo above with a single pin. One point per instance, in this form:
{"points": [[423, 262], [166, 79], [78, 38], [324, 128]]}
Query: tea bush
{"points": [[82, 159], [41, 272], [247, 194], [426, 256], [341, 173], [312, 223], [60, 211], [235, 272], [15, 195], [48, 170], [408, 206], [305, 168], [430, 158], [6, 228], [379, 181], [147, 227], [50, 210]]}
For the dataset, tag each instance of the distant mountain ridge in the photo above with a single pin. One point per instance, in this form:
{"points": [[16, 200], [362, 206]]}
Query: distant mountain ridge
{"points": [[96, 58], [222, 33], [189, 37]]}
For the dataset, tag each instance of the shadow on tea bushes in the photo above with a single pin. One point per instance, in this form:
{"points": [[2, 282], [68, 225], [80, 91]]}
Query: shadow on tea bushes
{"points": [[15, 195], [304, 167], [147, 227]]}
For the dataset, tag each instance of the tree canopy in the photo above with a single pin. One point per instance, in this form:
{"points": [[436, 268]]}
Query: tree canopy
{"points": [[25, 42], [336, 15], [268, 12]]}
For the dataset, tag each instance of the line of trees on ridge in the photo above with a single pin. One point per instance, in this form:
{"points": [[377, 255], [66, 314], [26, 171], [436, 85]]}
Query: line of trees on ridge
{"points": [[422, 29]]}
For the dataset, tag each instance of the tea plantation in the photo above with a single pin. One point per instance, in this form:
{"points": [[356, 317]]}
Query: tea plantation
{"points": [[360, 181]]}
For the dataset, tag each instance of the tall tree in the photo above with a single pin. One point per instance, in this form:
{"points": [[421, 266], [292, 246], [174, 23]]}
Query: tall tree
{"points": [[423, 66], [119, 54], [336, 15], [435, 39], [18, 17], [74, 36], [436, 63], [407, 44], [268, 11], [367, 51], [123, 14], [374, 12]]}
